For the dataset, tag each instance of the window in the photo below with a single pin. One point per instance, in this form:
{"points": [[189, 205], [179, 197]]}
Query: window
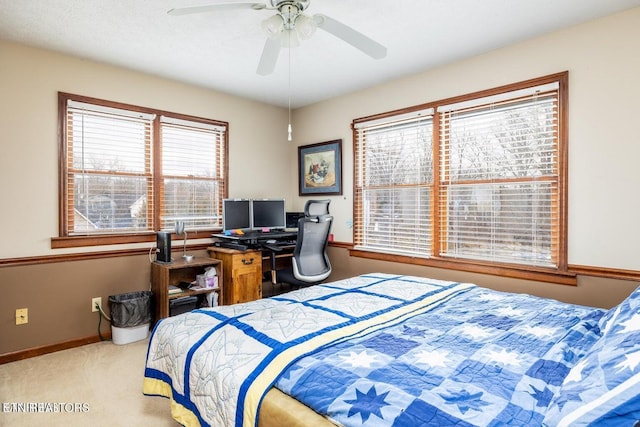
{"points": [[192, 188], [476, 179], [130, 170]]}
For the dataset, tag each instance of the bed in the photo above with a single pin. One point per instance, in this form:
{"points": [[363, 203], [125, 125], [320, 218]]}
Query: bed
{"points": [[389, 350]]}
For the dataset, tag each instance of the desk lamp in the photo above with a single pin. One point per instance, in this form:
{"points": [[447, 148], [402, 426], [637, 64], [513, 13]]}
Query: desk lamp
{"points": [[180, 230]]}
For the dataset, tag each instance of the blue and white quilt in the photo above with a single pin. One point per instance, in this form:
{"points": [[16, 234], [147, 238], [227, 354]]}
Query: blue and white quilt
{"points": [[216, 364], [384, 350], [483, 359]]}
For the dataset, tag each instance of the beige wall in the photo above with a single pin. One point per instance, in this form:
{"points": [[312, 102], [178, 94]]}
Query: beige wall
{"points": [[590, 291], [604, 143], [58, 295], [29, 82]]}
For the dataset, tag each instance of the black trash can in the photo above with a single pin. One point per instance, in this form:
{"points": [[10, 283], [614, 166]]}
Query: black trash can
{"points": [[130, 316]]}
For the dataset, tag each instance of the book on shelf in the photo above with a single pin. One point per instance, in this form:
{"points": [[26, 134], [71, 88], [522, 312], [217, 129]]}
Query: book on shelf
{"points": [[174, 290], [203, 288]]}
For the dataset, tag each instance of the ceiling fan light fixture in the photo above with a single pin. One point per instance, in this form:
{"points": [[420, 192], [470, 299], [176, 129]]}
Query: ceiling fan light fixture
{"points": [[288, 26], [289, 39], [305, 27], [273, 26]]}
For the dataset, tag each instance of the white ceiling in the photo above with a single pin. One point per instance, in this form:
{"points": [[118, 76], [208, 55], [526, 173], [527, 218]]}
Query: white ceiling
{"points": [[220, 50]]}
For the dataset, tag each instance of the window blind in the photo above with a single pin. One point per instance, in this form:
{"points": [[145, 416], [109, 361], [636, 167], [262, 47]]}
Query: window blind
{"points": [[131, 170], [192, 174], [499, 180], [108, 175], [394, 182], [477, 178]]}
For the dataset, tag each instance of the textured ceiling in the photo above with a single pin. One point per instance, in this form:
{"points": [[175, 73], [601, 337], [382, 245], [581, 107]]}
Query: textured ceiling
{"points": [[220, 50]]}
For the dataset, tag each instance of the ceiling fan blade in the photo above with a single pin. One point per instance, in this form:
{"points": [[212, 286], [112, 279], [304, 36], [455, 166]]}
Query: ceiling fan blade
{"points": [[351, 36], [217, 6], [269, 56]]}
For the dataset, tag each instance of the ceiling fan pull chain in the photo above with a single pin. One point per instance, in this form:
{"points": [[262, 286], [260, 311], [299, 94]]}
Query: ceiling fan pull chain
{"points": [[289, 137]]}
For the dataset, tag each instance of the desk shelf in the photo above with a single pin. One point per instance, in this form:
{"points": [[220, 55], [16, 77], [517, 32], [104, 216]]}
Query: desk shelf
{"points": [[165, 274], [191, 292]]}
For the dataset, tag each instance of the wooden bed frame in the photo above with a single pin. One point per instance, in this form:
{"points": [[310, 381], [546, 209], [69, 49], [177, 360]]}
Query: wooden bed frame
{"points": [[279, 409]]}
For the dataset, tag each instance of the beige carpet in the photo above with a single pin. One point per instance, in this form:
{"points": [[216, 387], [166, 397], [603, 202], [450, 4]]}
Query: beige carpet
{"points": [[98, 385]]}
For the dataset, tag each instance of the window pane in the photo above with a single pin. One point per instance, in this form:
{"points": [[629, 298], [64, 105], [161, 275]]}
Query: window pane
{"points": [[108, 203], [500, 222], [192, 189], [395, 174], [192, 201], [188, 152], [397, 220], [511, 152], [102, 143], [109, 171], [399, 155], [515, 140]]}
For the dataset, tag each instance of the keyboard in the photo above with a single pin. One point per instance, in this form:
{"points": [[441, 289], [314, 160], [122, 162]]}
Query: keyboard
{"points": [[230, 245]]}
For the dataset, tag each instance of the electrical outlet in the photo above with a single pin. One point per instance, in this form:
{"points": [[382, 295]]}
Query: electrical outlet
{"points": [[22, 316], [96, 301]]}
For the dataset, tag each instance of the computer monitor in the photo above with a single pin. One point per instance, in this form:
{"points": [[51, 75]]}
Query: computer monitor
{"points": [[268, 214], [236, 214], [292, 219]]}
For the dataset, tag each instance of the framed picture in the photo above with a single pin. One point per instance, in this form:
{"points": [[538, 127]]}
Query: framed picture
{"points": [[320, 168]]}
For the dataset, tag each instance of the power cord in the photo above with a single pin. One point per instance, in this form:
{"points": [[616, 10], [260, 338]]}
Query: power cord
{"points": [[152, 250], [102, 314]]}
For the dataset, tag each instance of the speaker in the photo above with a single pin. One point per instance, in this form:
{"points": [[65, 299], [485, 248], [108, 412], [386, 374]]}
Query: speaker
{"points": [[164, 246]]}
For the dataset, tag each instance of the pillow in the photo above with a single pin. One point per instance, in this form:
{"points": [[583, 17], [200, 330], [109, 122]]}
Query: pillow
{"points": [[609, 317], [603, 388]]}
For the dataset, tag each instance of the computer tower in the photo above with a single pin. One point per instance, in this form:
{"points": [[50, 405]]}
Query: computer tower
{"points": [[163, 253]]}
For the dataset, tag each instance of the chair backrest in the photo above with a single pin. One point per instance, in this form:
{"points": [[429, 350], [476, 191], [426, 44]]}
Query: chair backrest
{"points": [[310, 261], [316, 207]]}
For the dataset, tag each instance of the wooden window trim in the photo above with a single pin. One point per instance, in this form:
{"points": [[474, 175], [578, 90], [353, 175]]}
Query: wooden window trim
{"points": [[561, 274], [515, 272], [120, 239], [63, 240]]}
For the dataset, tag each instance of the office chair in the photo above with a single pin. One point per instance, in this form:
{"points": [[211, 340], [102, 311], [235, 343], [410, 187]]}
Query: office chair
{"points": [[310, 264], [316, 207]]}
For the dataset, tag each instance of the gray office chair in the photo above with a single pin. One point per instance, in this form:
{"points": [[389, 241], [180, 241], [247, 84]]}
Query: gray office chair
{"points": [[316, 207], [310, 264]]}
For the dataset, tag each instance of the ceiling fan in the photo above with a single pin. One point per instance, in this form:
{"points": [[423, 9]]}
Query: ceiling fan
{"points": [[289, 25]]}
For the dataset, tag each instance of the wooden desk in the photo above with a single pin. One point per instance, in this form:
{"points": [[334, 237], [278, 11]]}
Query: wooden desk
{"points": [[241, 272]]}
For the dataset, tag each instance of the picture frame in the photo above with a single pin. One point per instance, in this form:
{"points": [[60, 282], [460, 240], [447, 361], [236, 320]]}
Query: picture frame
{"points": [[320, 168]]}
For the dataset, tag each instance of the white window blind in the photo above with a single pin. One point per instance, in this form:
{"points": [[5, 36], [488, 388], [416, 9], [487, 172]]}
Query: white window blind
{"points": [[108, 175], [133, 170], [499, 180], [192, 174], [480, 179], [394, 178]]}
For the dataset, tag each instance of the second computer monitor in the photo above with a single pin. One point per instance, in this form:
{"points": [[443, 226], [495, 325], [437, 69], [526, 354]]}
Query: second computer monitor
{"points": [[269, 214]]}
